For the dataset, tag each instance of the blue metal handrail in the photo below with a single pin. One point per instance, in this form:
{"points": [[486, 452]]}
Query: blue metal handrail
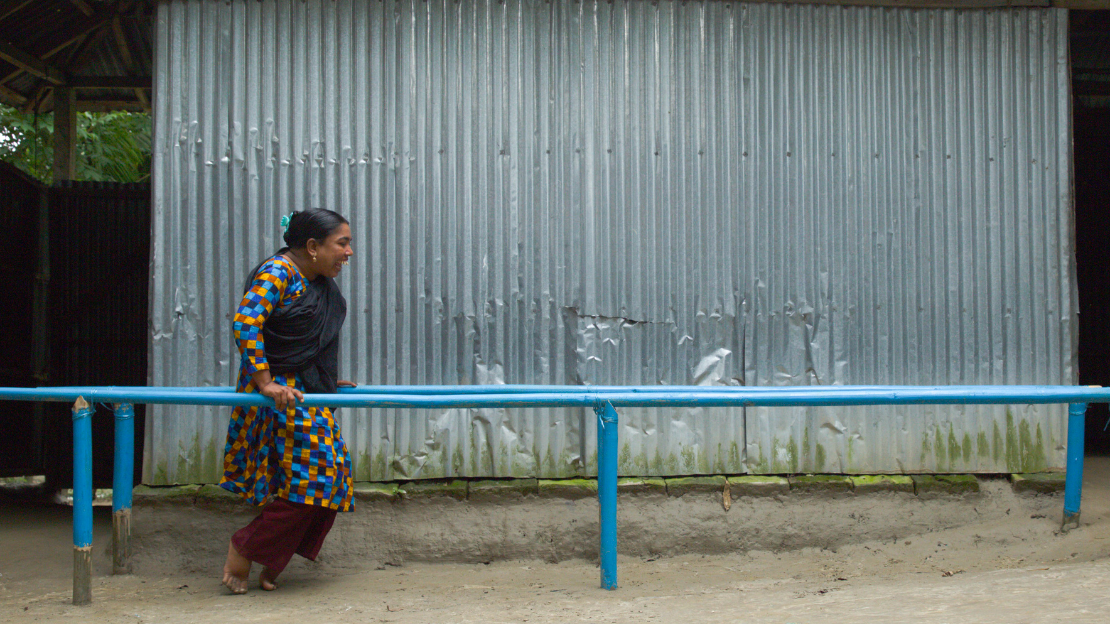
{"points": [[586, 396], [602, 399]]}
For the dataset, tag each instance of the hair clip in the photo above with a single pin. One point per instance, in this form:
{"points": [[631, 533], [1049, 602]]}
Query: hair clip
{"points": [[285, 221]]}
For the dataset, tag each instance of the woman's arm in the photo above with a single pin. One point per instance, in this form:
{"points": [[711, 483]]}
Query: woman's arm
{"points": [[284, 396], [258, 302]]}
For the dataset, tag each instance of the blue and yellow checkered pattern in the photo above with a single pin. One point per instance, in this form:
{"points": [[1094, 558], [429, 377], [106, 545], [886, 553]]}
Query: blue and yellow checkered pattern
{"points": [[298, 455]]}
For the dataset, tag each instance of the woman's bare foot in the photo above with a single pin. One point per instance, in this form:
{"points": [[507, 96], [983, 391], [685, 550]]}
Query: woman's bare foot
{"points": [[267, 580], [236, 571]]}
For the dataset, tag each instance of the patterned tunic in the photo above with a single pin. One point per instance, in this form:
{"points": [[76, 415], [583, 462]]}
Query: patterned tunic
{"points": [[299, 455]]}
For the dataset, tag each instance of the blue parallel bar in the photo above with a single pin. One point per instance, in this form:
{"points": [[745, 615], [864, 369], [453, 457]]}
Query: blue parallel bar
{"points": [[586, 397], [506, 389], [122, 477], [607, 444], [82, 503], [124, 457], [604, 399], [1073, 480]]}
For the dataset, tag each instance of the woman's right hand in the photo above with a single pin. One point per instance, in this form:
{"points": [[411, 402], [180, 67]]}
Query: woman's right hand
{"points": [[284, 397]]}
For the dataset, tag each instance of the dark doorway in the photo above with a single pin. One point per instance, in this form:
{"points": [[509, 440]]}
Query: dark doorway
{"points": [[1090, 60], [93, 328]]}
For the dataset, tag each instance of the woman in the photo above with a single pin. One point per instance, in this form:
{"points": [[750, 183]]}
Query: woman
{"points": [[290, 459]]}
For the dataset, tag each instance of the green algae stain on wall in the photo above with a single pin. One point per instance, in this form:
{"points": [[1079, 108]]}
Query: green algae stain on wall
{"points": [[689, 462], [761, 464], [983, 446], [926, 450], [1013, 448], [792, 454], [1025, 439], [457, 462], [183, 455], [953, 449], [162, 474], [735, 463], [1040, 458], [379, 467], [444, 465], [671, 463], [703, 461], [549, 463], [624, 459], [940, 449], [640, 464], [1032, 449], [819, 458], [362, 468], [776, 465], [998, 447], [503, 467], [524, 466]]}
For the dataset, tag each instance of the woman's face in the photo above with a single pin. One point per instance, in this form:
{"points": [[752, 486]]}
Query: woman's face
{"points": [[333, 252]]}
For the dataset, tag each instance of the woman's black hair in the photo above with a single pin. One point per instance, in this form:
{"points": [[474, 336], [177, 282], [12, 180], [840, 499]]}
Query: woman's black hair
{"points": [[317, 223]]}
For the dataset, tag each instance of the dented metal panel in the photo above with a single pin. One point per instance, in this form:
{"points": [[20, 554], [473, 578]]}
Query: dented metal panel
{"points": [[629, 193]]}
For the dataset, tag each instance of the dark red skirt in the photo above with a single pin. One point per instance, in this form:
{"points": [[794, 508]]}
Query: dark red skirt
{"points": [[282, 530]]}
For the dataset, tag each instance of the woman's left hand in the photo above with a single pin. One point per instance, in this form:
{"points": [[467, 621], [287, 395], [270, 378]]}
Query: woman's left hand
{"points": [[345, 384]]}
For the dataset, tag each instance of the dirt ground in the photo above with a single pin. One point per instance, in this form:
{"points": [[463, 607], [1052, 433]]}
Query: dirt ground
{"points": [[1020, 568]]}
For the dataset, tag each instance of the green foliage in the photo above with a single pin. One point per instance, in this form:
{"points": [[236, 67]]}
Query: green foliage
{"points": [[25, 141], [111, 147]]}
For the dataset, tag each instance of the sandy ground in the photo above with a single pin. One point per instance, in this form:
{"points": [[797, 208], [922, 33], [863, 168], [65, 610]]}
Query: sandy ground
{"points": [[1019, 569]]}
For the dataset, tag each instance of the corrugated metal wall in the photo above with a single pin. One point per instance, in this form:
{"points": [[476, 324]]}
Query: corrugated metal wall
{"points": [[629, 192]]}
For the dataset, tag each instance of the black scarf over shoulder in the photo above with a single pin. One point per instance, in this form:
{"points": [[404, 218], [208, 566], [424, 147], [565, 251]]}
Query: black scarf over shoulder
{"points": [[303, 337]]}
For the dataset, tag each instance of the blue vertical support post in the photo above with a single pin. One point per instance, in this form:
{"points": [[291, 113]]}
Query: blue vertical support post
{"points": [[122, 477], [607, 423], [1073, 480], [82, 502]]}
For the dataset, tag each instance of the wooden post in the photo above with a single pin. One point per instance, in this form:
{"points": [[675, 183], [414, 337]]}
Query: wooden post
{"points": [[40, 326], [65, 134]]}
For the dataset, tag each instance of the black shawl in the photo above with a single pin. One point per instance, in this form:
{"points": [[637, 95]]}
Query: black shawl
{"points": [[303, 337]]}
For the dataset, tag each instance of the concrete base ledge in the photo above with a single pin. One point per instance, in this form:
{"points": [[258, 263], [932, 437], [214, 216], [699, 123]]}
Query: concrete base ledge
{"points": [[554, 520]]}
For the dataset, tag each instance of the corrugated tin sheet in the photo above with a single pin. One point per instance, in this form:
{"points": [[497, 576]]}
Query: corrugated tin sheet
{"points": [[629, 193]]}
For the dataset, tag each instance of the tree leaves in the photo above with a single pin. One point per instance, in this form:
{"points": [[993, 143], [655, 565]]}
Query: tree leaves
{"points": [[111, 147]]}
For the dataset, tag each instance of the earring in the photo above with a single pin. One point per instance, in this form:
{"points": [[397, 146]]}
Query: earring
{"points": [[314, 257]]}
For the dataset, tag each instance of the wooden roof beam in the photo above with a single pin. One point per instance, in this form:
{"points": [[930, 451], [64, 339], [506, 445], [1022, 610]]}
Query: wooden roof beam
{"points": [[82, 7], [31, 64], [111, 82], [15, 6], [76, 36], [108, 106], [128, 60], [12, 97], [38, 97]]}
